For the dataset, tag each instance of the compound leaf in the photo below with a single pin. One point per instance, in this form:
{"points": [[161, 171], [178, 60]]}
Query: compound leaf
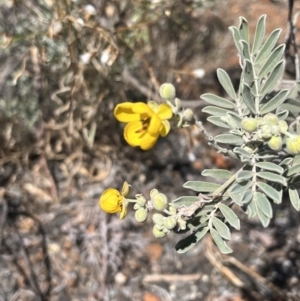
{"points": [[226, 83], [271, 192], [218, 101], [294, 197], [259, 34], [275, 102], [221, 227], [230, 216], [273, 78], [201, 186], [229, 139], [220, 242]]}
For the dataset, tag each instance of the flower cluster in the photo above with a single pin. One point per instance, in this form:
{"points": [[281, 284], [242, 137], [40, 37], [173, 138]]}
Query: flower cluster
{"points": [[273, 131], [114, 201]]}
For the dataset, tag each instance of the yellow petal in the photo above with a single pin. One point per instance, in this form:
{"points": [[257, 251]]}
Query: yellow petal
{"points": [[133, 133], [111, 201], [124, 209], [143, 109], [125, 189], [154, 125], [164, 111], [165, 128], [124, 112], [148, 141]]}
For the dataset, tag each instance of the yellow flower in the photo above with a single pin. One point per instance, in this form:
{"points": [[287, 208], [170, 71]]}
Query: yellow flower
{"points": [[145, 122], [114, 201]]}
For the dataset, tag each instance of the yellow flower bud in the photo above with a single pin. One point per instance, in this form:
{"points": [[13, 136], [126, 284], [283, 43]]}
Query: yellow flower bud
{"points": [[293, 145], [141, 215], [283, 126], [271, 119], [249, 124], [170, 222], [189, 116], [167, 91], [275, 143], [113, 201], [275, 130], [157, 232], [266, 132], [140, 200], [172, 209], [159, 201], [158, 219]]}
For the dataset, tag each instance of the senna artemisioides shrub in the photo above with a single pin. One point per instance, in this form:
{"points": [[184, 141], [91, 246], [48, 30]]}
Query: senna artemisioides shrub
{"points": [[261, 130]]}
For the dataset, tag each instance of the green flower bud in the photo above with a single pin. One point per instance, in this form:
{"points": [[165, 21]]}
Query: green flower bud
{"points": [[170, 222], [283, 126], [275, 130], [271, 119], [159, 201], [141, 215], [172, 209], [266, 132], [157, 232], [136, 206], [260, 121], [167, 91], [189, 116], [140, 200], [293, 145], [158, 219], [275, 143], [249, 124], [153, 192]]}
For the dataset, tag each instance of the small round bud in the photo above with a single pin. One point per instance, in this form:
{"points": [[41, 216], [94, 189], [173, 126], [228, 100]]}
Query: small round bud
{"points": [[158, 219], [153, 192], [172, 209], [275, 143], [271, 119], [275, 130], [293, 145], [159, 201], [189, 116], [141, 215], [266, 132], [283, 126], [167, 91], [140, 200], [170, 222], [157, 232], [249, 124], [260, 121], [136, 206]]}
